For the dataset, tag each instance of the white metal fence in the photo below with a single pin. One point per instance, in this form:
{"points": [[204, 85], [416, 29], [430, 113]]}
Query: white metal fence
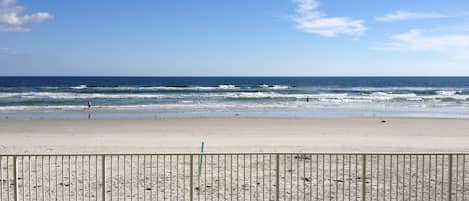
{"points": [[234, 177]]}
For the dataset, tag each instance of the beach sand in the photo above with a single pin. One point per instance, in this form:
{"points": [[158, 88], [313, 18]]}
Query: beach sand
{"points": [[231, 176], [234, 135]]}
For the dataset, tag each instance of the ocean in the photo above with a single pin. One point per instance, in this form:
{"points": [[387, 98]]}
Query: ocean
{"points": [[256, 97]]}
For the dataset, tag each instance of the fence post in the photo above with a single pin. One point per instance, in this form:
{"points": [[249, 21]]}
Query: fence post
{"points": [[201, 157], [15, 174], [450, 176], [277, 179], [363, 177], [103, 177], [191, 194]]}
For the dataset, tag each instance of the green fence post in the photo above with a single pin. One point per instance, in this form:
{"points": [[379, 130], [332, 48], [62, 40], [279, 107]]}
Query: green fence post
{"points": [[201, 157]]}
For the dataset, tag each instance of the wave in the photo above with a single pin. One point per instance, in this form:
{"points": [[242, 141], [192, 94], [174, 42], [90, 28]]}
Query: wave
{"points": [[265, 86], [65, 95], [153, 88], [183, 106], [416, 90], [448, 93], [79, 87], [228, 86], [175, 88], [241, 95], [373, 91], [70, 95]]}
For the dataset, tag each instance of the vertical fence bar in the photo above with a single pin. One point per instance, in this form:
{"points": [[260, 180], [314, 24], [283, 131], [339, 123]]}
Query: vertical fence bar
{"points": [[191, 178], [363, 177], [1, 178], [277, 178], [103, 177], [8, 178], [436, 177], [463, 175], [450, 176], [15, 176]]}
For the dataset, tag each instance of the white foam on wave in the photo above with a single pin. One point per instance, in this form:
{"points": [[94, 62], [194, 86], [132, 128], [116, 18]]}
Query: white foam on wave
{"points": [[379, 93], [323, 97], [228, 86], [273, 87], [390, 89], [161, 88], [67, 95], [79, 87], [182, 88], [389, 96], [447, 93], [170, 106], [265, 86], [42, 108]]}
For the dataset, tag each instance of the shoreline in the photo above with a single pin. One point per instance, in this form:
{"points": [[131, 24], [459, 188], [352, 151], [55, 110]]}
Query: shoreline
{"points": [[84, 114], [229, 135], [235, 118]]}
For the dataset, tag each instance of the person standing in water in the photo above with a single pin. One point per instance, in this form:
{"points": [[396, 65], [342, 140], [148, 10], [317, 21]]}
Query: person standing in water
{"points": [[89, 109]]}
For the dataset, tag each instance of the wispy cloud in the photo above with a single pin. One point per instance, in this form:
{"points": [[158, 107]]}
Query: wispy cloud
{"points": [[309, 19], [6, 51], [12, 19], [402, 15], [456, 45]]}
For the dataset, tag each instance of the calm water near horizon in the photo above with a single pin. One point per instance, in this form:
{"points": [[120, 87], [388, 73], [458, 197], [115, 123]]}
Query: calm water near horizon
{"points": [[192, 97]]}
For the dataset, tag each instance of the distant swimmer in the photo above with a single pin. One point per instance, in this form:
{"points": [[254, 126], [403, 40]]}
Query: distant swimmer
{"points": [[307, 99], [89, 104]]}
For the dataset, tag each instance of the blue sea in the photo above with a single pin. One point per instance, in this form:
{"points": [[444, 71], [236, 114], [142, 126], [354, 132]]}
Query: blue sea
{"points": [[194, 97]]}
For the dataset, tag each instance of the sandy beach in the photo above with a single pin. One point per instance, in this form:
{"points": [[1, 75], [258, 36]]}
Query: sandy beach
{"points": [[234, 135], [300, 100]]}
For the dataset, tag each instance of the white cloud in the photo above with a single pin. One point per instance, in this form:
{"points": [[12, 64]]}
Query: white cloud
{"points": [[309, 19], [402, 15], [11, 19], [456, 45]]}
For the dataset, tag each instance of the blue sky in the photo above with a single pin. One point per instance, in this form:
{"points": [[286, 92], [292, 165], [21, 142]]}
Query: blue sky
{"points": [[234, 38]]}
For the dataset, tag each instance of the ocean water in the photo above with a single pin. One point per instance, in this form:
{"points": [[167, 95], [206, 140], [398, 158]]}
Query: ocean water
{"points": [[191, 97]]}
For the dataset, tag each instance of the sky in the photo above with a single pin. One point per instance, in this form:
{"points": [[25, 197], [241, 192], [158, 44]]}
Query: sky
{"points": [[234, 38]]}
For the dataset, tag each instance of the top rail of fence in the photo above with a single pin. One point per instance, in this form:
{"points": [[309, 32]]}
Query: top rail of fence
{"points": [[236, 153]]}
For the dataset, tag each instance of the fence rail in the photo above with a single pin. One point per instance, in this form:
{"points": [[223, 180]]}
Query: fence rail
{"points": [[235, 177]]}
